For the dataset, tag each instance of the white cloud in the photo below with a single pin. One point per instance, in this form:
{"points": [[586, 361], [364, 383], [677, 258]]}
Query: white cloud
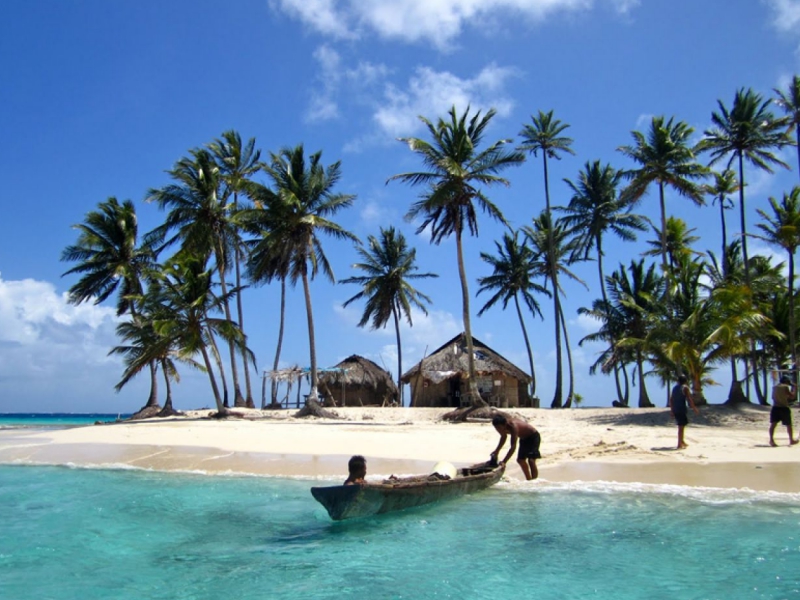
{"points": [[786, 15], [53, 353], [30, 309], [324, 105], [431, 93], [587, 323], [374, 214], [438, 22], [432, 329], [321, 15]]}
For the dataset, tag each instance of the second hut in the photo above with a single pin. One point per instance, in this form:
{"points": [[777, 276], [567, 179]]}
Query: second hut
{"points": [[357, 381], [442, 378]]}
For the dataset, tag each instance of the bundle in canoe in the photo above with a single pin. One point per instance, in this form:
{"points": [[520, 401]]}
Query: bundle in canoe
{"points": [[351, 501]]}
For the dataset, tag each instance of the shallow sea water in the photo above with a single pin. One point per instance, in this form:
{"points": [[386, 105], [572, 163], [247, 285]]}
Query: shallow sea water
{"points": [[83, 534]]}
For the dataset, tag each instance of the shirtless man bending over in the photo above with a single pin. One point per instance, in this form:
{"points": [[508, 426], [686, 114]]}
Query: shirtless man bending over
{"points": [[529, 440]]}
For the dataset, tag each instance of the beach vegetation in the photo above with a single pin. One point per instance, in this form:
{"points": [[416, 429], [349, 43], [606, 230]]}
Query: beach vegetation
{"points": [[199, 220], [595, 209], [234, 220], [238, 163], [455, 173], [545, 134], [389, 266], [302, 203], [111, 259], [664, 157], [514, 269]]}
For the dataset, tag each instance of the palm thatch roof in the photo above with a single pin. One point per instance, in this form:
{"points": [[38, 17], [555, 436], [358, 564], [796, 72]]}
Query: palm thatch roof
{"points": [[357, 370], [451, 360]]}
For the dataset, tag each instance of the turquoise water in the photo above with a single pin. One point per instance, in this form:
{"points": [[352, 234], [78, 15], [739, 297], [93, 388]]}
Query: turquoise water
{"points": [[116, 534], [54, 420]]}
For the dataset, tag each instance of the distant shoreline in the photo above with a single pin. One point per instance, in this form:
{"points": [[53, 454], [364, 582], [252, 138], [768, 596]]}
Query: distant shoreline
{"points": [[728, 446]]}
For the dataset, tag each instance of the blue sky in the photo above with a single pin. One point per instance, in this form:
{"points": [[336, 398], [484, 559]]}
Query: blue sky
{"points": [[100, 98]]}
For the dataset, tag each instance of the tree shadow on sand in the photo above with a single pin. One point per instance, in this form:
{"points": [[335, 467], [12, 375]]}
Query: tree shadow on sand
{"points": [[711, 415]]}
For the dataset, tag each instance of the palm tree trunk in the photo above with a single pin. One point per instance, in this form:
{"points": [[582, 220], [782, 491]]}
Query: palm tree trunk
{"points": [[312, 394], [220, 366], [221, 410], [399, 356], [724, 255], [599, 245], [168, 401], [627, 397], [238, 399], [240, 313], [556, 403], [534, 399], [753, 358], [472, 384], [168, 409], [644, 399], [791, 311], [797, 137], [276, 362], [570, 390], [152, 400], [663, 227]]}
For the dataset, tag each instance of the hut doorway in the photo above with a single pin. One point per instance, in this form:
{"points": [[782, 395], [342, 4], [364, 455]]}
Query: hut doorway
{"points": [[454, 393]]}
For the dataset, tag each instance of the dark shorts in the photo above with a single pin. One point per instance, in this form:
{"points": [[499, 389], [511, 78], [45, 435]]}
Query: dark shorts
{"points": [[529, 446], [781, 414], [681, 417]]}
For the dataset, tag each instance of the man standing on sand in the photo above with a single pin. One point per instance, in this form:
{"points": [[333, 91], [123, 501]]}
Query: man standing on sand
{"points": [[529, 441], [782, 394], [681, 394]]}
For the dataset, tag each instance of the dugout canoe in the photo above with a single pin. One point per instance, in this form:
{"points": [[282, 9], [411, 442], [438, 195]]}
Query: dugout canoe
{"points": [[353, 501]]}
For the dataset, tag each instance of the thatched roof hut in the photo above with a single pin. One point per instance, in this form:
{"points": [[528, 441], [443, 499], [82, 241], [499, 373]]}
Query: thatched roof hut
{"points": [[357, 381], [441, 378]]}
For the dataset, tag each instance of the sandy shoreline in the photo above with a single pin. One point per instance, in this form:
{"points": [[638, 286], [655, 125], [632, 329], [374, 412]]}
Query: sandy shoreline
{"points": [[728, 447]]}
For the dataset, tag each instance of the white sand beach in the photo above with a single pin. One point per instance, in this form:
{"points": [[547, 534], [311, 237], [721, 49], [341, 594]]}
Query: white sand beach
{"points": [[728, 447]]}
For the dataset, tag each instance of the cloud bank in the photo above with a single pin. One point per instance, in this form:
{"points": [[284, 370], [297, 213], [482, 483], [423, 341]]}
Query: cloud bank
{"points": [[437, 22]]}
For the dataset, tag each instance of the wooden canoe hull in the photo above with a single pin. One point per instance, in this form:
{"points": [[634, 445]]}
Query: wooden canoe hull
{"points": [[352, 501]]}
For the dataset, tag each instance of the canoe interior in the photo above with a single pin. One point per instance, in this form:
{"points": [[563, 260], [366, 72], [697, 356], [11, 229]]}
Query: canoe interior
{"points": [[351, 501]]}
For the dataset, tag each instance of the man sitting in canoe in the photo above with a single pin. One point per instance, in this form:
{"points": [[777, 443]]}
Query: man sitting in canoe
{"points": [[529, 440], [357, 465]]}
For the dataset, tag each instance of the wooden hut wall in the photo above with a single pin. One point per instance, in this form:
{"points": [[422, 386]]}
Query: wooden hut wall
{"points": [[431, 394], [507, 394], [504, 390], [356, 394]]}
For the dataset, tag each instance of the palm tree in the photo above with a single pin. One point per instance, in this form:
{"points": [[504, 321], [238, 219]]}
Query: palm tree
{"points": [[679, 240], [182, 321], [143, 346], [595, 209], [747, 132], [238, 163], [789, 101], [724, 185], [269, 254], [198, 213], [612, 330], [636, 295], [552, 248], [110, 259], [513, 270], [666, 159], [302, 201], [782, 229], [544, 135], [456, 170], [389, 266]]}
